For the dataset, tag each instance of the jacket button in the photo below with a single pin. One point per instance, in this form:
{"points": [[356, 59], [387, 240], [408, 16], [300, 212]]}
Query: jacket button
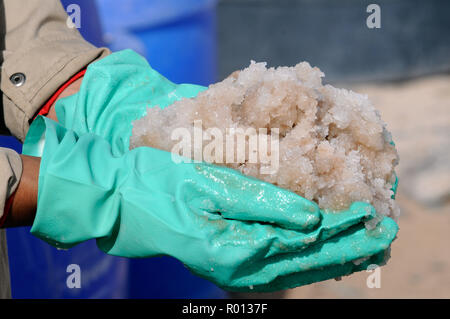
{"points": [[18, 79]]}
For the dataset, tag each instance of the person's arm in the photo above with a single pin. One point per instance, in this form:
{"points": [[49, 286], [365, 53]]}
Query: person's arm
{"points": [[39, 53], [22, 209], [22, 193]]}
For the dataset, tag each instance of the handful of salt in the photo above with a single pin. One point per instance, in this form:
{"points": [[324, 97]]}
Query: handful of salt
{"points": [[331, 145]]}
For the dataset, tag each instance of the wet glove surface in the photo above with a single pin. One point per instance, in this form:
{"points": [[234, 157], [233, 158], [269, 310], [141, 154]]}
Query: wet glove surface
{"points": [[241, 233]]}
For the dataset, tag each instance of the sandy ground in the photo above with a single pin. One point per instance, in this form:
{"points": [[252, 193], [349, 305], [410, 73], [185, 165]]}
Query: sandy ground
{"points": [[418, 115]]}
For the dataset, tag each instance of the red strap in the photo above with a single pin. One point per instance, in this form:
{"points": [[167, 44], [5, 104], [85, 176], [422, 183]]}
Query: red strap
{"points": [[46, 108], [7, 209]]}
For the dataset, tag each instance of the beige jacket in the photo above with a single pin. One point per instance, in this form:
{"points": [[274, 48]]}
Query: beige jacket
{"points": [[39, 53]]}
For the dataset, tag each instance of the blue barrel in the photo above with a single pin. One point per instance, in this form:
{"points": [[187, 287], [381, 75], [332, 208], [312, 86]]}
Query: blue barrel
{"points": [[178, 38], [39, 270]]}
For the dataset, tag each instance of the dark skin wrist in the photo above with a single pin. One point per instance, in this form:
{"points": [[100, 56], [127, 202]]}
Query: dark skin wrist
{"points": [[23, 207]]}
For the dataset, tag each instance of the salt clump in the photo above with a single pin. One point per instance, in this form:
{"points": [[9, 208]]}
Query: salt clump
{"points": [[334, 148]]}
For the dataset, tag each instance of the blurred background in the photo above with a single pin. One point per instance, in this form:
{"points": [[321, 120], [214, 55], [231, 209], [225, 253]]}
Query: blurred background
{"points": [[403, 66]]}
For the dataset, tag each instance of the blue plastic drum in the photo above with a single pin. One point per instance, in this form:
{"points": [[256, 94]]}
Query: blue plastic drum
{"points": [[178, 38]]}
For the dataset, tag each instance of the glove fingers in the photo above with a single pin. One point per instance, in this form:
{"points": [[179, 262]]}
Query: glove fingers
{"points": [[273, 240], [333, 224], [308, 265], [243, 198], [303, 278]]}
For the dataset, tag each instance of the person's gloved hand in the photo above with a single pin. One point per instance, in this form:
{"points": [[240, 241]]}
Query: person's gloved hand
{"points": [[236, 231]]}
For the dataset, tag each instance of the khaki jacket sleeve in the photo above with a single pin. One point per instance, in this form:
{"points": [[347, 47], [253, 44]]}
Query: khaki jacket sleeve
{"points": [[41, 52], [10, 173]]}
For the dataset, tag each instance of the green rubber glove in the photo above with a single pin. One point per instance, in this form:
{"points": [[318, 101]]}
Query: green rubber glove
{"points": [[243, 234]]}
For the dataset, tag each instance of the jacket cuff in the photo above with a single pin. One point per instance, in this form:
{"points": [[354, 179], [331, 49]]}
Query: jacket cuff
{"points": [[27, 83], [10, 173]]}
